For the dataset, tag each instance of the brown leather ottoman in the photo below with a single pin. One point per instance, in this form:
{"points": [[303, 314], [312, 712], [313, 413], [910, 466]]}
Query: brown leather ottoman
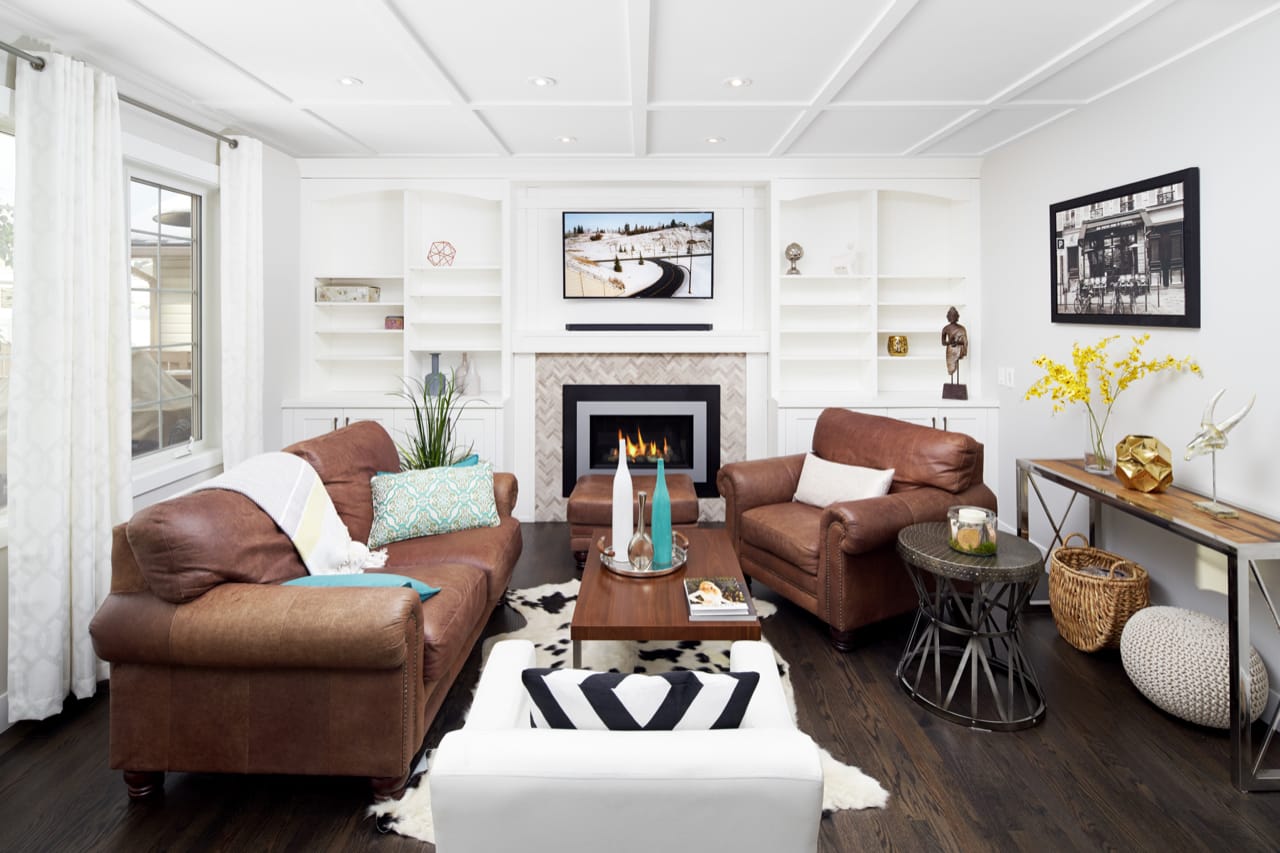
{"points": [[591, 506]]}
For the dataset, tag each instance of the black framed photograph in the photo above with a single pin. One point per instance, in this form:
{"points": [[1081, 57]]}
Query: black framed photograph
{"points": [[1129, 255]]}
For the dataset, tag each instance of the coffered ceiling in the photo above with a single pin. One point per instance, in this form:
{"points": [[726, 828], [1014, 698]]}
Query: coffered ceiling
{"points": [[629, 78]]}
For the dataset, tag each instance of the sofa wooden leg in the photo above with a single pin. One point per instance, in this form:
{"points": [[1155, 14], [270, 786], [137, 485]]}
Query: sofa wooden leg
{"points": [[580, 560], [388, 787], [144, 783], [842, 641]]}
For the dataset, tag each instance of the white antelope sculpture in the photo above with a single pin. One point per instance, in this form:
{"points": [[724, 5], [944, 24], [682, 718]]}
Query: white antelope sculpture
{"points": [[1210, 439]]}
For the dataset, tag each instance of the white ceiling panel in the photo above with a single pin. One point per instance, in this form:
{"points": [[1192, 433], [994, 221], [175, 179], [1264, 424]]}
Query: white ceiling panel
{"points": [[992, 130], [492, 49], [111, 33], [635, 77], [303, 47], [392, 129], [297, 132], [1150, 43], [788, 51], [887, 131], [971, 51], [743, 131], [532, 130]]}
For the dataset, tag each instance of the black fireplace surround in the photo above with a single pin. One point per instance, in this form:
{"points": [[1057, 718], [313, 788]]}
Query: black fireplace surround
{"points": [[680, 423]]}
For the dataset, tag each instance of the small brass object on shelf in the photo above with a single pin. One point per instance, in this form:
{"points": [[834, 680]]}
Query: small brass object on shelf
{"points": [[1143, 463], [897, 345]]}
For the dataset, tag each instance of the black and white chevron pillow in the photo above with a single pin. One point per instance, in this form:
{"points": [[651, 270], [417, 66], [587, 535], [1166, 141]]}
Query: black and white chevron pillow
{"points": [[581, 699]]}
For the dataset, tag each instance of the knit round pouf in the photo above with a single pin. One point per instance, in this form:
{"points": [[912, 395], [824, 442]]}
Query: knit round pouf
{"points": [[1179, 660]]}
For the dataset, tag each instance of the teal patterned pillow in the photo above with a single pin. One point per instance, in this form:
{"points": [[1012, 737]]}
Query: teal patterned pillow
{"points": [[437, 500]]}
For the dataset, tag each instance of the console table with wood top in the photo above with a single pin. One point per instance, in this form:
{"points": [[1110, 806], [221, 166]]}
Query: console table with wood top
{"points": [[1244, 541]]}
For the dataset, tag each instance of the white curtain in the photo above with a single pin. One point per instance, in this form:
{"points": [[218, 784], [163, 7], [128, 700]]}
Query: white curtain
{"points": [[69, 425], [240, 282]]}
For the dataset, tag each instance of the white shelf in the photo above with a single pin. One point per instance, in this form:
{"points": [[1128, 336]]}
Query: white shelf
{"points": [[892, 358], [373, 359], [922, 277], [370, 332], [815, 302], [930, 303], [817, 357], [829, 277], [457, 268], [349, 305]]}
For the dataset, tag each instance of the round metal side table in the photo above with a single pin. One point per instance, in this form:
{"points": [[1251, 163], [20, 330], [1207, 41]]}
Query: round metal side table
{"points": [[966, 630]]}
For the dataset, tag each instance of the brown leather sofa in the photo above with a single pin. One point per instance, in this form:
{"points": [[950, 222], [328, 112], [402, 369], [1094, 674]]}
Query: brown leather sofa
{"points": [[840, 562], [216, 667]]}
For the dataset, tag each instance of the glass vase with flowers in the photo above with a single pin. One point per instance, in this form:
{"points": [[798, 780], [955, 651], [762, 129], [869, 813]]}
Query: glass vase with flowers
{"points": [[1074, 383]]}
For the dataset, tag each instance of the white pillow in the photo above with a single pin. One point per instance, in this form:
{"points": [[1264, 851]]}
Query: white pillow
{"points": [[823, 483]]}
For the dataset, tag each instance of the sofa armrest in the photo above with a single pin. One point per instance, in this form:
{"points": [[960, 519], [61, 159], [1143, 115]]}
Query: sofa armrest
{"points": [[500, 701], [871, 523], [760, 481], [768, 707], [247, 626], [505, 492]]}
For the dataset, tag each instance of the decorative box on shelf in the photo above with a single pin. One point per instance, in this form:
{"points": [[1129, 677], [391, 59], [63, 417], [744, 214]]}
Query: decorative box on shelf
{"points": [[348, 293]]}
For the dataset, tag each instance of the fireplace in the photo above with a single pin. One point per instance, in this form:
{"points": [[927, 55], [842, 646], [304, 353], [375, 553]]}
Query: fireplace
{"points": [[679, 424]]}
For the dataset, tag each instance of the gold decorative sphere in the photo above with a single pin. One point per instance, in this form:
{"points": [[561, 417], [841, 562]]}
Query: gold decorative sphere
{"points": [[1143, 462]]}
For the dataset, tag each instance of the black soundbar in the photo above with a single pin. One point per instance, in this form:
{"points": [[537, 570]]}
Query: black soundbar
{"points": [[637, 327]]}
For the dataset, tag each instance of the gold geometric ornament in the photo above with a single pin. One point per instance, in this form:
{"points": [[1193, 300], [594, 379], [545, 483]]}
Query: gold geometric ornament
{"points": [[1143, 463]]}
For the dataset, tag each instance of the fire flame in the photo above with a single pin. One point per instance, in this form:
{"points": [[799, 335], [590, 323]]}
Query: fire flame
{"points": [[639, 449]]}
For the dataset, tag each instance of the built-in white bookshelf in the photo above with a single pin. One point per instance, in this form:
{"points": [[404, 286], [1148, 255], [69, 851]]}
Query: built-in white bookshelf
{"points": [[880, 259], [380, 233]]}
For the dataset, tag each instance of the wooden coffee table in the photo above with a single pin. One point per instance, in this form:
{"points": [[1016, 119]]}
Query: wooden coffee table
{"points": [[615, 607]]}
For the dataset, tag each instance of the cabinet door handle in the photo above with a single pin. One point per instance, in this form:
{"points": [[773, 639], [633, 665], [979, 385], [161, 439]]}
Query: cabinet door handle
{"points": [[933, 421], [347, 421], [944, 422], [335, 421]]}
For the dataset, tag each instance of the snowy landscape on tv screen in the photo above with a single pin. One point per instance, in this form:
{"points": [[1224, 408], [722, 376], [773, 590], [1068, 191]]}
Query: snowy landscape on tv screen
{"points": [[650, 255]]}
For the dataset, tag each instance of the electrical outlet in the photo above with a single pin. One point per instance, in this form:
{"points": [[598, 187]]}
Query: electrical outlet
{"points": [[1005, 376]]}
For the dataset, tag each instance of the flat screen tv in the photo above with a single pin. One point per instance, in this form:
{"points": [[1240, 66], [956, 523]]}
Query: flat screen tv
{"points": [[644, 254]]}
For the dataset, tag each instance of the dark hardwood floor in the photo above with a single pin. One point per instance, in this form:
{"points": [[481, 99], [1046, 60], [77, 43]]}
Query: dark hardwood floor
{"points": [[1105, 771]]}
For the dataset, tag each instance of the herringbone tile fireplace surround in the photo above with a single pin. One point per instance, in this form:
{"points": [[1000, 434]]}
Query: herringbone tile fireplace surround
{"points": [[555, 370]]}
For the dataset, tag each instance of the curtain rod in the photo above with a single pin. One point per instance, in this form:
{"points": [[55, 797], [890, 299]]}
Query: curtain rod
{"points": [[38, 64]]}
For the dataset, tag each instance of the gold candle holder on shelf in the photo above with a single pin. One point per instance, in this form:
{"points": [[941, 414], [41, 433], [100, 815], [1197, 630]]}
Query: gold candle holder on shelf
{"points": [[896, 345]]}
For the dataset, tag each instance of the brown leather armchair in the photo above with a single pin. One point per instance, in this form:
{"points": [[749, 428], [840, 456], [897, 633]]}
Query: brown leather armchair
{"points": [[840, 562]]}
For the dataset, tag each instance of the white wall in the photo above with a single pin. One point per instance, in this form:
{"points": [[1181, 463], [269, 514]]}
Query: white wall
{"points": [[281, 218], [1216, 110]]}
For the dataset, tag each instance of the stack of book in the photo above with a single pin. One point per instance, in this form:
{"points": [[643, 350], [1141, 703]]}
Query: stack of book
{"points": [[717, 598]]}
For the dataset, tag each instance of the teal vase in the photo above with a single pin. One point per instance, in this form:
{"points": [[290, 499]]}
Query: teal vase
{"points": [[660, 528]]}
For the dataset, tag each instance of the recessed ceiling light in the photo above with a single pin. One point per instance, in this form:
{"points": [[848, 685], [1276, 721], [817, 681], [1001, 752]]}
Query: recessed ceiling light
{"points": [[566, 139], [350, 81], [715, 140], [737, 82], [542, 82]]}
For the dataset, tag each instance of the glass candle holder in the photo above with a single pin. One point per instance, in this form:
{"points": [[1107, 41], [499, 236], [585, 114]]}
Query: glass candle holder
{"points": [[973, 530]]}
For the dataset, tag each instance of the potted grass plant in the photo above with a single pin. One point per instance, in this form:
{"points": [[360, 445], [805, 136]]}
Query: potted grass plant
{"points": [[431, 440]]}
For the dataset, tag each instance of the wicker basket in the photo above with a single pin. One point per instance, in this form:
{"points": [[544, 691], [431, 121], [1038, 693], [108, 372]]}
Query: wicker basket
{"points": [[1092, 593]]}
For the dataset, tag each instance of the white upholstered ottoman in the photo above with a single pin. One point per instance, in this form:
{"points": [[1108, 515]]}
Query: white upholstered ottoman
{"points": [[1178, 659]]}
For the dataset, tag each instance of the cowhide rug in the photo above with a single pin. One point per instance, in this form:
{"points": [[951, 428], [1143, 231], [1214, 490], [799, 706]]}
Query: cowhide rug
{"points": [[548, 610]]}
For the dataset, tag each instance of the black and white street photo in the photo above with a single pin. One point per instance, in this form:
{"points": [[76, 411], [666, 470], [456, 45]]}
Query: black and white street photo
{"points": [[1128, 255]]}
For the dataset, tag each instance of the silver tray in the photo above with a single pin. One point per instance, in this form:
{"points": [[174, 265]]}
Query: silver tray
{"points": [[679, 556]]}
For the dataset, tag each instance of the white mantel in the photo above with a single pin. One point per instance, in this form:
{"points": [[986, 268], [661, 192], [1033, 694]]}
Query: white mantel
{"points": [[640, 342]]}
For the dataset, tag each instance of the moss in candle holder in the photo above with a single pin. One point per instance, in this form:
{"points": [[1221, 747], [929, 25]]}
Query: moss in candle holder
{"points": [[982, 549]]}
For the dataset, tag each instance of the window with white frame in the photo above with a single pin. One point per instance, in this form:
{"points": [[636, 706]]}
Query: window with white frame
{"points": [[165, 288]]}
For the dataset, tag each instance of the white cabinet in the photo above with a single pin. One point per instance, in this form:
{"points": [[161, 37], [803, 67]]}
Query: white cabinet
{"points": [[479, 427], [880, 258], [303, 423]]}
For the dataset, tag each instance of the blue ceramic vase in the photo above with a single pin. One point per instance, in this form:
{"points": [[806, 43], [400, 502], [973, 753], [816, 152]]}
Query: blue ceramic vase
{"points": [[660, 527]]}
